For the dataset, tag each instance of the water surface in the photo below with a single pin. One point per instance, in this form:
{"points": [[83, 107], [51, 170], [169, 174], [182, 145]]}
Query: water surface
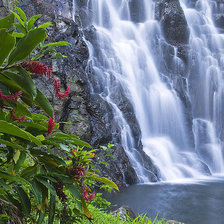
{"points": [[199, 202]]}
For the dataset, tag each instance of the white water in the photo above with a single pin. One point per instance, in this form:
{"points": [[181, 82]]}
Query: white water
{"points": [[124, 57]]}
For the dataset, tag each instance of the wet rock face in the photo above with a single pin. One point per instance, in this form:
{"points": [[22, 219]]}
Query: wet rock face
{"points": [[218, 13], [69, 70], [173, 22], [174, 65], [87, 115]]}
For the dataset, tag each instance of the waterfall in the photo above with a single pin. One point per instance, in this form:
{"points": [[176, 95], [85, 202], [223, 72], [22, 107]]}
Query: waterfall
{"points": [[122, 58], [206, 83]]}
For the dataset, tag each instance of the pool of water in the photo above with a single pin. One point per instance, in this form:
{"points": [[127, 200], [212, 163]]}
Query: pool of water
{"points": [[192, 202]]}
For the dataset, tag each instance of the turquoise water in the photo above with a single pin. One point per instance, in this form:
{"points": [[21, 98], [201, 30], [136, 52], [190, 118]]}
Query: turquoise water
{"points": [[199, 202]]}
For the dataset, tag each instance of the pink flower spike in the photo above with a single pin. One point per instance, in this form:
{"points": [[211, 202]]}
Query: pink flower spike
{"points": [[13, 97], [57, 89], [85, 195], [51, 125], [15, 118], [37, 68]]}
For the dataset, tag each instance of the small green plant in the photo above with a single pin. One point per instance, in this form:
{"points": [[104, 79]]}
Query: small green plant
{"points": [[42, 170]]}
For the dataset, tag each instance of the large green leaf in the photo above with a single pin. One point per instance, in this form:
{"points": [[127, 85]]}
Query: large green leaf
{"points": [[12, 129], [6, 186], [26, 45], [72, 141], [46, 184], [21, 13], [36, 190], [20, 161], [52, 209], [105, 181], [7, 43], [21, 109], [43, 103], [7, 21], [74, 191], [85, 209], [25, 201], [18, 17], [17, 179], [56, 44], [11, 144], [32, 21], [24, 80], [29, 172]]}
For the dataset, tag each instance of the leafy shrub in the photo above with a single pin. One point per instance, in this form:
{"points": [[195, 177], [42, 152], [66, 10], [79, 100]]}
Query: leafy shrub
{"points": [[35, 179]]}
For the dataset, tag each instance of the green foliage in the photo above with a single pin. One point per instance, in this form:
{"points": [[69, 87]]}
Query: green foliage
{"points": [[42, 170], [101, 217]]}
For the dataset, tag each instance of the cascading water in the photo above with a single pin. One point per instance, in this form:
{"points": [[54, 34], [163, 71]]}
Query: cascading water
{"points": [[122, 58], [206, 83]]}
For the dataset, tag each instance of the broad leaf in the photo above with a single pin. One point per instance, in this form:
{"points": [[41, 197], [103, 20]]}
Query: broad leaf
{"points": [[52, 209], [16, 179], [7, 21], [18, 17], [106, 181], [29, 171], [6, 186], [32, 21], [43, 103], [16, 156], [36, 190], [56, 44], [11, 144], [25, 201], [46, 184], [20, 161], [45, 25], [26, 45], [18, 35], [7, 43], [21, 27], [85, 209], [24, 80], [21, 13], [21, 109], [11, 129], [74, 191]]}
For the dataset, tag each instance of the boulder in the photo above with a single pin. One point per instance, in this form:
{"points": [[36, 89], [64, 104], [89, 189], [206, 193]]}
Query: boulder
{"points": [[123, 212], [174, 222], [173, 22]]}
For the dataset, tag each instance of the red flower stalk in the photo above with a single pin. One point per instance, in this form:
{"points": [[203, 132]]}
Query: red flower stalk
{"points": [[73, 151], [85, 195], [37, 68], [51, 125], [57, 88], [13, 97], [15, 118]]}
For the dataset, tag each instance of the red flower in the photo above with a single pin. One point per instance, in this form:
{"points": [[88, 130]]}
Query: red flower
{"points": [[85, 195], [51, 125], [13, 97], [57, 89], [73, 151], [37, 68], [19, 119], [78, 172]]}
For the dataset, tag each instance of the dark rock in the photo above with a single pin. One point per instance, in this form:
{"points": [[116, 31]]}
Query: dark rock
{"points": [[137, 10], [173, 22]]}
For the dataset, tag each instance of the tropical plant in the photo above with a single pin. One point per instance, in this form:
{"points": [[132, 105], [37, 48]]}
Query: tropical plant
{"points": [[40, 166]]}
